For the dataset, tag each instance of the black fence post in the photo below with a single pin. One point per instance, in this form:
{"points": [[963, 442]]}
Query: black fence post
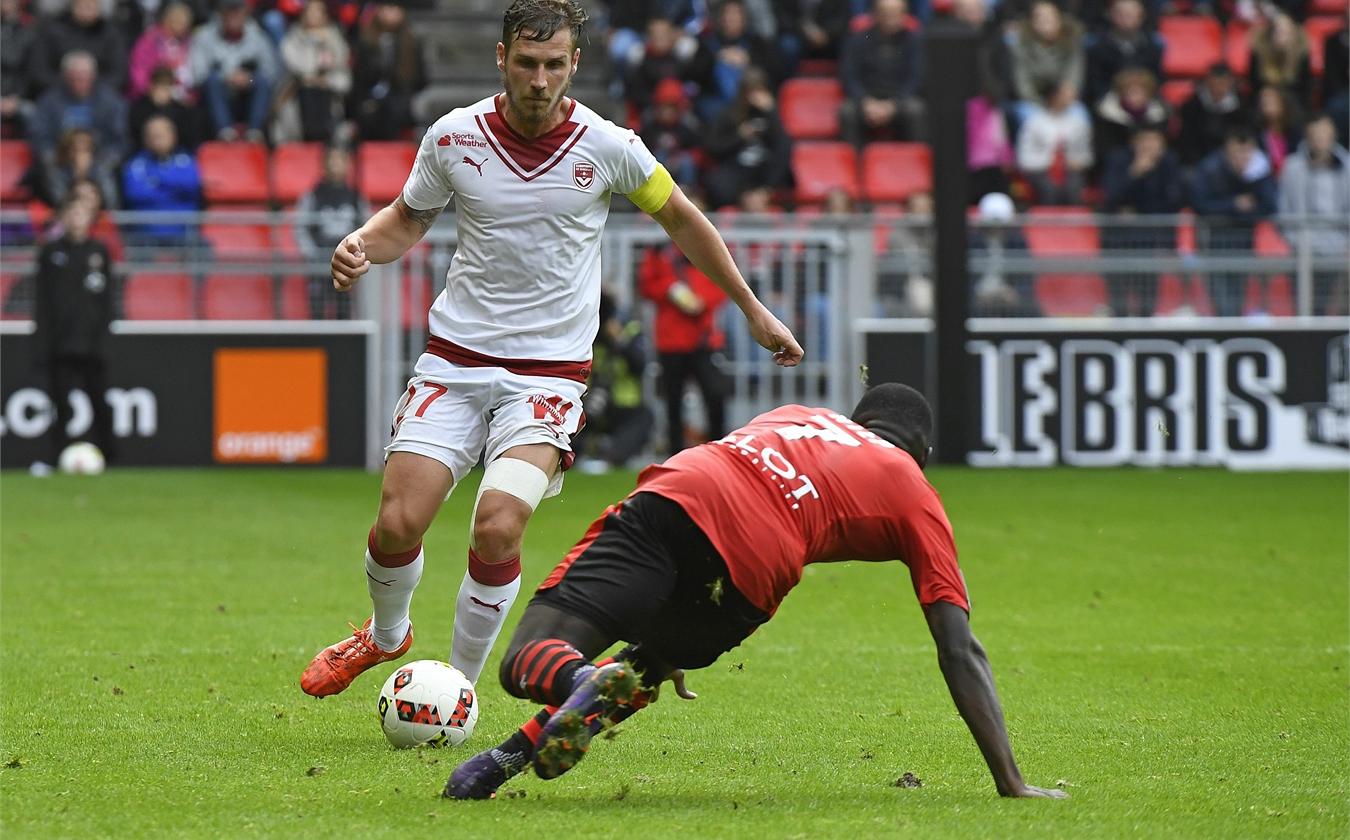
{"points": [[949, 80]]}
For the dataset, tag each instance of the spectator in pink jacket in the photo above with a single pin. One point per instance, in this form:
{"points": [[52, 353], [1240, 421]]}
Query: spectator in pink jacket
{"points": [[165, 44]]}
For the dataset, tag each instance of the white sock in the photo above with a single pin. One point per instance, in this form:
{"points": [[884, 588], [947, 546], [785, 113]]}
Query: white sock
{"points": [[480, 612], [391, 590]]}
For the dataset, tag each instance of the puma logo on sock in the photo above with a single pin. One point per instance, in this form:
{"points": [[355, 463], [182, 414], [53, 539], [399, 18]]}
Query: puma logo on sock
{"points": [[497, 607]]}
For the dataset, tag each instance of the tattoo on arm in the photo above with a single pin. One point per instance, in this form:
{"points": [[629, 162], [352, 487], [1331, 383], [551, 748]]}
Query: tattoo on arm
{"points": [[422, 218]]}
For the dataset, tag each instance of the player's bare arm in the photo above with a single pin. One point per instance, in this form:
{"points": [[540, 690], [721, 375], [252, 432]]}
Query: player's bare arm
{"points": [[971, 682], [383, 239], [696, 237]]}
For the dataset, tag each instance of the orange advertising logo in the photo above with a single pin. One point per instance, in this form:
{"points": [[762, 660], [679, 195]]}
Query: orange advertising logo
{"points": [[271, 406]]}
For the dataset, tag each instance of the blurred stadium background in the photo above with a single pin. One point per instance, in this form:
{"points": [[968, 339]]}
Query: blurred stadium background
{"points": [[1154, 266]]}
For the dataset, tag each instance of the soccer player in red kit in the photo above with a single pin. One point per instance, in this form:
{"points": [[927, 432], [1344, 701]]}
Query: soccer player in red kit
{"points": [[704, 550]]}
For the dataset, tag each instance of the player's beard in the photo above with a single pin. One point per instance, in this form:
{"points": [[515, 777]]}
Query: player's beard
{"points": [[529, 110]]}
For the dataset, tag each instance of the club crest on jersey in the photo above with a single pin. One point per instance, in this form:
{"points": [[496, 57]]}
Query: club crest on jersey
{"points": [[583, 172]]}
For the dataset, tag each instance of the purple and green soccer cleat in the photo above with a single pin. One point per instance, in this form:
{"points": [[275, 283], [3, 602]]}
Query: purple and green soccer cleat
{"points": [[567, 735]]}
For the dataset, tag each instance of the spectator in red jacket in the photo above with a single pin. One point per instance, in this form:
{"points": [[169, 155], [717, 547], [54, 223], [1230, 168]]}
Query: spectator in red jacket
{"points": [[688, 340]]}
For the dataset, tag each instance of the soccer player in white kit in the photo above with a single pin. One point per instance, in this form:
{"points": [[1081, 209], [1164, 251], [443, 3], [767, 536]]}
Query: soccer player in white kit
{"points": [[531, 171]]}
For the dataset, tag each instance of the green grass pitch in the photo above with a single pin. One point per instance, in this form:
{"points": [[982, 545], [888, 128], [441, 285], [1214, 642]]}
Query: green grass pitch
{"points": [[1170, 646]]}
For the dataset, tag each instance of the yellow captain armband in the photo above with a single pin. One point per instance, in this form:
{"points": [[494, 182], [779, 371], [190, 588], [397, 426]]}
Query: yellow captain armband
{"points": [[653, 195]]}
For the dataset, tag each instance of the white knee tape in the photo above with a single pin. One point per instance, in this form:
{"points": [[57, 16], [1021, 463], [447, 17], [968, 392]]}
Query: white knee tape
{"points": [[513, 476]]}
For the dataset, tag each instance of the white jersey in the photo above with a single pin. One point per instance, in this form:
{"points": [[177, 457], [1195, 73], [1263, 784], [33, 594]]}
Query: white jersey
{"points": [[524, 283]]}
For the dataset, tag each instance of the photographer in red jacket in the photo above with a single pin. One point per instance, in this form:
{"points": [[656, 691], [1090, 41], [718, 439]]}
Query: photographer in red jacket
{"points": [[688, 340]]}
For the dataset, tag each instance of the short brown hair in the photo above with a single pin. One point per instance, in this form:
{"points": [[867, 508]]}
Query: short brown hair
{"points": [[540, 20]]}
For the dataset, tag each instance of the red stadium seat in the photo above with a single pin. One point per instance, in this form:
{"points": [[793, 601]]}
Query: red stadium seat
{"points": [[1200, 303], [821, 167], [233, 173], [1280, 297], [895, 171], [1267, 241], [295, 298], [1237, 47], [15, 158], [238, 242], [810, 108], [1171, 295], [1329, 7], [296, 168], [158, 297], [1317, 29], [1176, 92], [382, 168], [884, 217], [1186, 234], [1078, 293], [1193, 44], [238, 297]]}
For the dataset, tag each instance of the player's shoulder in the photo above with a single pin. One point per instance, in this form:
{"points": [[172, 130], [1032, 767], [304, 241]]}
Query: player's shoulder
{"points": [[463, 118], [600, 131]]}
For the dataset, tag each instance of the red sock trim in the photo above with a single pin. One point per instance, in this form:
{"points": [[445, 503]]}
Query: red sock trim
{"points": [[555, 668], [391, 561], [532, 727], [528, 654], [492, 574]]}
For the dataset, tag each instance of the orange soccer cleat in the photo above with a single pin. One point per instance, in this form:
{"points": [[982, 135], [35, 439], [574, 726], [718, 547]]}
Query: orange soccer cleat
{"points": [[337, 665]]}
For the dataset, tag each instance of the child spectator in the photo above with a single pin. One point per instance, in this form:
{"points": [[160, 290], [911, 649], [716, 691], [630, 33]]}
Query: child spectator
{"points": [[1054, 149], [1131, 104], [672, 133], [330, 211], [163, 98], [166, 44]]}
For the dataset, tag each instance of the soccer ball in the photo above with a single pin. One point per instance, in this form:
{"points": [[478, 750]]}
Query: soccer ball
{"points": [[81, 458], [428, 702]]}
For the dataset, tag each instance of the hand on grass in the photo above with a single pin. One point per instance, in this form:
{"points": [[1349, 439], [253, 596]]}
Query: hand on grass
{"points": [[1033, 792], [681, 690]]}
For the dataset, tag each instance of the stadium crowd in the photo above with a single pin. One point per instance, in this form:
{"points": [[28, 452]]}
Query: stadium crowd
{"points": [[1093, 102], [1236, 110], [1088, 102]]}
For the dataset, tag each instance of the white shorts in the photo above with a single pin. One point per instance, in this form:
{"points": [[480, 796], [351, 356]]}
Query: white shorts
{"points": [[459, 415]]}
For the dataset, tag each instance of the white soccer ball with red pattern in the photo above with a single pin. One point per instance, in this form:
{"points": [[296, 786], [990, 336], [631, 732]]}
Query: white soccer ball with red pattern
{"points": [[81, 458], [428, 703]]}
